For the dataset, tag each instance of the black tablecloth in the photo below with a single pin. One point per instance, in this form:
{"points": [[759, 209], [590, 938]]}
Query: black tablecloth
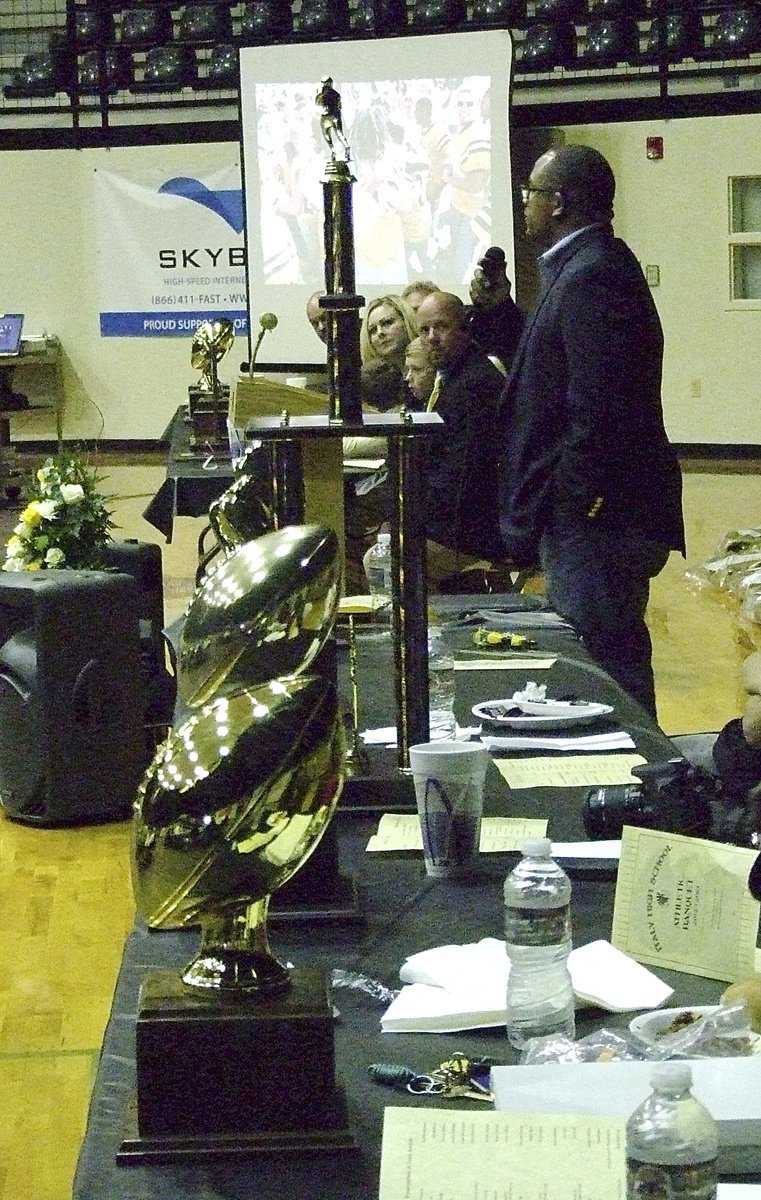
{"points": [[572, 674], [196, 476], [401, 911], [190, 486]]}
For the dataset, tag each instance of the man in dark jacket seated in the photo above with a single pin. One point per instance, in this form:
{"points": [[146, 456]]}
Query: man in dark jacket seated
{"points": [[460, 497]]}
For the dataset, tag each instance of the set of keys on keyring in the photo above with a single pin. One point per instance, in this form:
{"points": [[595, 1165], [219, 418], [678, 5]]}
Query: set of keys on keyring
{"points": [[455, 1079]]}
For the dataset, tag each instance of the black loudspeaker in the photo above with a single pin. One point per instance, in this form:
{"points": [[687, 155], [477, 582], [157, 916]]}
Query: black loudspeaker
{"points": [[142, 560], [72, 696]]}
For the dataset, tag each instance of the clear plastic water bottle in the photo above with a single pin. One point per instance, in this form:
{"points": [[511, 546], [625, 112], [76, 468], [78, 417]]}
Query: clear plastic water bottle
{"points": [[671, 1141], [377, 565], [538, 941], [441, 719]]}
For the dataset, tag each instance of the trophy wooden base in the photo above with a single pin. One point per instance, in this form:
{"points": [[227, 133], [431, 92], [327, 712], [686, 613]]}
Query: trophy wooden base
{"points": [[318, 891], [342, 904], [225, 1074], [208, 415]]}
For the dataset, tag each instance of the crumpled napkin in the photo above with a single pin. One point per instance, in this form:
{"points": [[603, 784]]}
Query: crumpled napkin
{"points": [[451, 988]]}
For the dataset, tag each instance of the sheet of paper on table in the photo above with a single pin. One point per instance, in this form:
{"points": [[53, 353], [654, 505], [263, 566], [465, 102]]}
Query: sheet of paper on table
{"points": [[430, 1154], [401, 831], [584, 770], [358, 605], [386, 736], [683, 903], [603, 849], [727, 1086], [364, 464], [503, 664]]}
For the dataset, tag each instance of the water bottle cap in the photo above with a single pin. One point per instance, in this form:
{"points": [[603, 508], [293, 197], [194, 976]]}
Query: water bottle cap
{"points": [[673, 1076], [537, 848]]}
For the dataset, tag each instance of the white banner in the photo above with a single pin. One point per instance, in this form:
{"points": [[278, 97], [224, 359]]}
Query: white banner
{"points": [[171, 252]]}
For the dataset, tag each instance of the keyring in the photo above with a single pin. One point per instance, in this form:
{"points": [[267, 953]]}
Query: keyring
{"points": [[425, 1085]]}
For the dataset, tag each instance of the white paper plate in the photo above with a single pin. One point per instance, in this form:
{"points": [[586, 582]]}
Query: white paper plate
{"points": [[649, 1027], [536, 714]]}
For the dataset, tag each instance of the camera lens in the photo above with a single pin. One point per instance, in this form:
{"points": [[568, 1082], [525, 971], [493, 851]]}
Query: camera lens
{"points": [[672, 796], [607, 809]]}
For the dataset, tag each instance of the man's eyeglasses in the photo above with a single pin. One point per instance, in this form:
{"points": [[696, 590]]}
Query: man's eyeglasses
{"points": [[527, 189]]}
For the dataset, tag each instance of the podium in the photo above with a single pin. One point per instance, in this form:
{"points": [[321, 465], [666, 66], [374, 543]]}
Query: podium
{"points": [[299, 449]]}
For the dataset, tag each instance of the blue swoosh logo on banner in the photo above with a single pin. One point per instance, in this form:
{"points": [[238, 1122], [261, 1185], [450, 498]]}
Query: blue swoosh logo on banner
{"points": [[227, 203]]}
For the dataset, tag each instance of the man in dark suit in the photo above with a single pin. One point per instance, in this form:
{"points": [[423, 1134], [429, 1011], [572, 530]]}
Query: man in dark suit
{"points": [[590, 486], [459, 484]]}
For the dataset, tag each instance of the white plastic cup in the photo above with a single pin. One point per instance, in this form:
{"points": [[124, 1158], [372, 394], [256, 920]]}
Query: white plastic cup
{"points": [[449, 789]]}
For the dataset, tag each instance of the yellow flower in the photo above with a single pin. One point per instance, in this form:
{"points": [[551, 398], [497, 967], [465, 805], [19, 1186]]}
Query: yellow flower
{"points": [[35, 565], [31, 514]]}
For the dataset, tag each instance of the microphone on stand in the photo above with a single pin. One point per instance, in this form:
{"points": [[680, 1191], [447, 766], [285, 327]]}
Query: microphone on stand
{"points": [[267, 321]]}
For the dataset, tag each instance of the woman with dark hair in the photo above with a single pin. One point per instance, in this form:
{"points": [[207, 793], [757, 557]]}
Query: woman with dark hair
{"points": [[737, 763]]}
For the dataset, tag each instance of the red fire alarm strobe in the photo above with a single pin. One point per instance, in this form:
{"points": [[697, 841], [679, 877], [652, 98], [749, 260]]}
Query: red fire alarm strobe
{"points": [[654, 148]]}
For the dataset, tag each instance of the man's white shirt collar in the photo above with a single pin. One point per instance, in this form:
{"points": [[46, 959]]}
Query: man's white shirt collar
{"points": [[569, 237]]}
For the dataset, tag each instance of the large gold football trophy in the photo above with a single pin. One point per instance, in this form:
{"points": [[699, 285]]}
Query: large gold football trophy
{"points": [[232, 805], [240, 793]]}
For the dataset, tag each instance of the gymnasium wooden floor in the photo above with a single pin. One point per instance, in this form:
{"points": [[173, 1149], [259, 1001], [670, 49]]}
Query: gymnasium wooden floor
{"points": [[65, 894]]}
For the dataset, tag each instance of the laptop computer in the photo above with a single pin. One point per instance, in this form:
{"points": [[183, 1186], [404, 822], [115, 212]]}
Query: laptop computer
{"points": [[11, 325]]}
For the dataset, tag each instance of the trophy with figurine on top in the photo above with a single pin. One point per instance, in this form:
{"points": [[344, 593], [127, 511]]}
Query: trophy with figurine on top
{"points": [[209, 399]]}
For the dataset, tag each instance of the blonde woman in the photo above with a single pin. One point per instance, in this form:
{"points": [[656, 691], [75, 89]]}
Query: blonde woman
{"points": [[389, 325]]}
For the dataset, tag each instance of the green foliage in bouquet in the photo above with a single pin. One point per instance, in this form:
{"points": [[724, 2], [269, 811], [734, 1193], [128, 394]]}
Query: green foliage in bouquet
{"points": [[65, 523]]}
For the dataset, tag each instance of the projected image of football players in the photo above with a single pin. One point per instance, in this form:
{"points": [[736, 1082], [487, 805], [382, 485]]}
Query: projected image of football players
{"points": [[421, 157]]}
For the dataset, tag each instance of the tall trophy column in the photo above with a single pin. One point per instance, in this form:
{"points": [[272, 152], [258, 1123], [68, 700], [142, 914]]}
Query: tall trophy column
{"points": [[403, 432], [340, 301]]}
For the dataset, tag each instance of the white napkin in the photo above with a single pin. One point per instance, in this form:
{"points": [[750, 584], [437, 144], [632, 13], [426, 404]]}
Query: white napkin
{"points": [[387, 736], [586, 742], [451, 988], [610, 848]]}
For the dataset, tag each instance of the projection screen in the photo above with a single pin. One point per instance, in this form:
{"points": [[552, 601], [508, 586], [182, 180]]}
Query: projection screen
{"points": [[421, 114]]}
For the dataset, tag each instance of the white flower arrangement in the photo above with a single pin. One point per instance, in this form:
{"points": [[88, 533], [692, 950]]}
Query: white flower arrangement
{"points": [[65, 523]]}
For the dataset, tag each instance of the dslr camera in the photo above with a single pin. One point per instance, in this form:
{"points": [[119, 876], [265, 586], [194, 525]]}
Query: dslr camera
{"points": [[674, 796]]}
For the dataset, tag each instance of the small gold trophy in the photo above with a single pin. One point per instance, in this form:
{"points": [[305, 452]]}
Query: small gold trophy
{"points": [[209, 400]]}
